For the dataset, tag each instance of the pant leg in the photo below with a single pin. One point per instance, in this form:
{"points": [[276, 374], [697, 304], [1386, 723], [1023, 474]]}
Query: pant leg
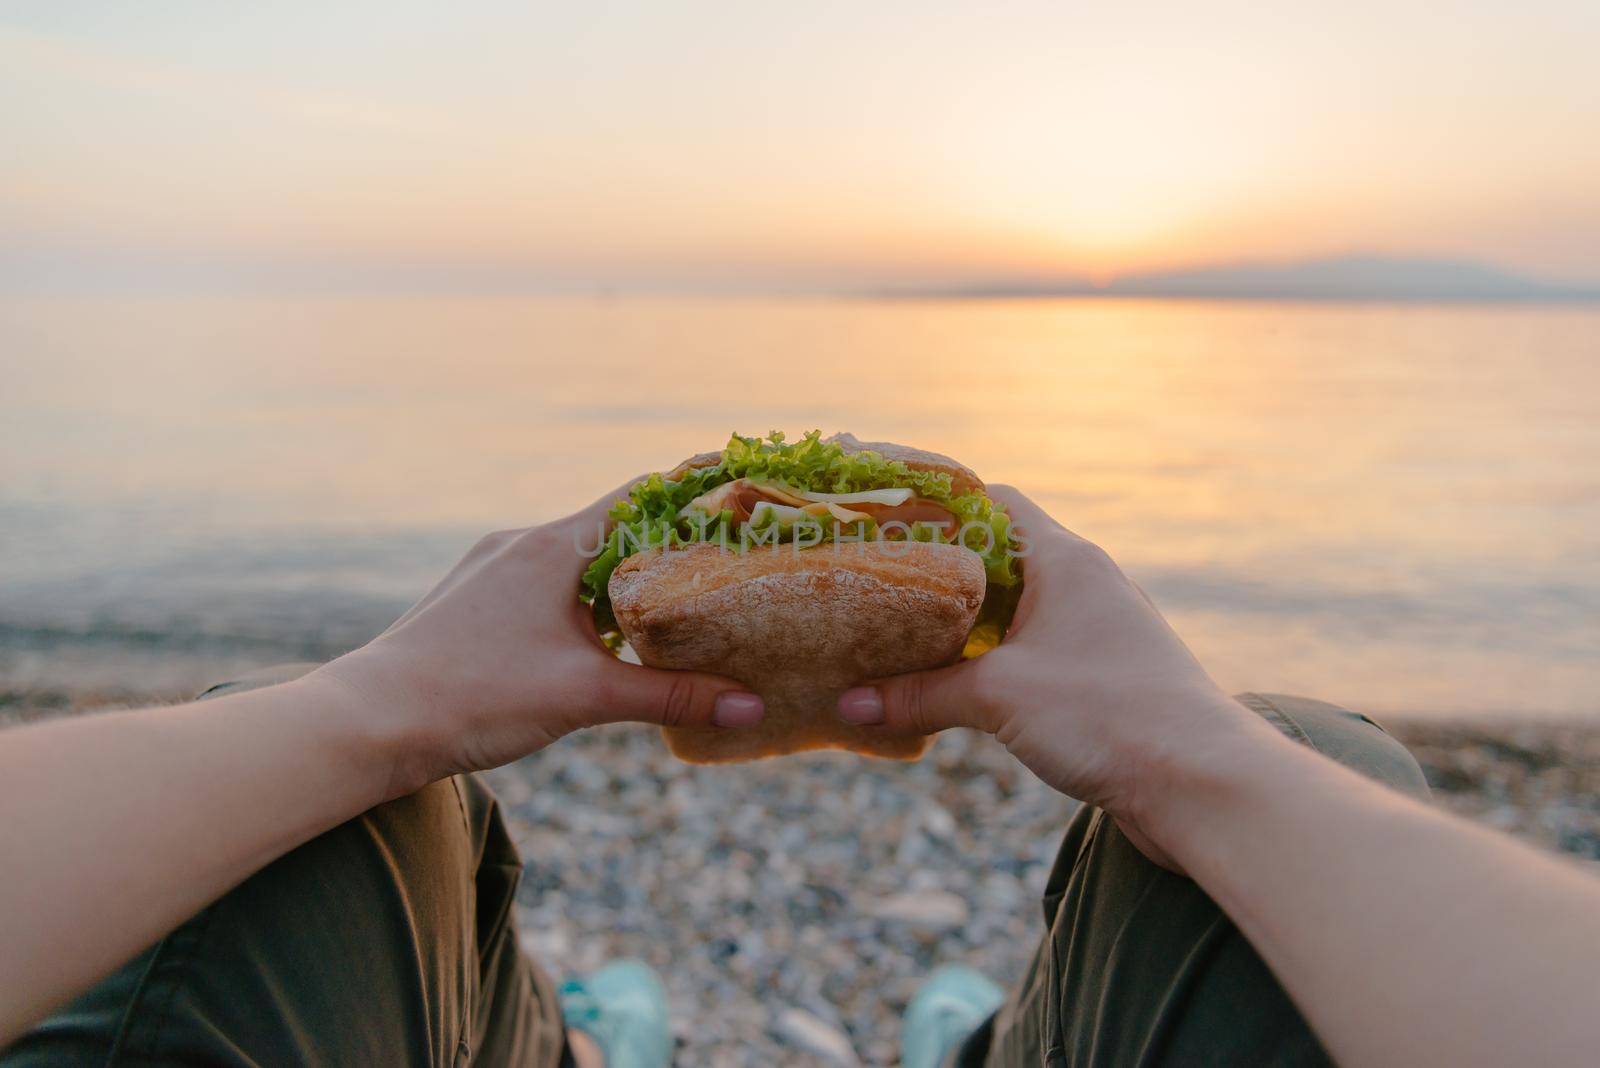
{"points": [[390, 940], [1140, 967]]}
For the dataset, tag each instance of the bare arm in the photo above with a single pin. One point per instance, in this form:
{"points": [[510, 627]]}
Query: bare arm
{"points": [[1406, 936], [118, 827]]}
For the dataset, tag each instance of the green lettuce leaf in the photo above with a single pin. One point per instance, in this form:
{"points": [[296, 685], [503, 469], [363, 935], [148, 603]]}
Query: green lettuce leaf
{"points": [[650, 515]]}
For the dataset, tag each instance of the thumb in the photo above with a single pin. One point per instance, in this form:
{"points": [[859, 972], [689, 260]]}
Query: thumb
{"points": [[925, 701], [674, 699]]}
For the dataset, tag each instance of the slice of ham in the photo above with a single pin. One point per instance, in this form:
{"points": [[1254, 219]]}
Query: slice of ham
{"points": [[742, 495], [914, 511]]}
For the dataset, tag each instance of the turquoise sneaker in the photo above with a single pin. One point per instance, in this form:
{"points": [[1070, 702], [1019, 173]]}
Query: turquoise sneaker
{"points": [[947, 1008], [623, 1007]]}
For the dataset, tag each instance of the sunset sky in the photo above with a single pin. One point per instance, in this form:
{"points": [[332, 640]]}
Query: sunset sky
{"points": [[760, 145]]}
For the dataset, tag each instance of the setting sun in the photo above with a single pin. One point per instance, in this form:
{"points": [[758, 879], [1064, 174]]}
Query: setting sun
{"points": [[836, 146]]}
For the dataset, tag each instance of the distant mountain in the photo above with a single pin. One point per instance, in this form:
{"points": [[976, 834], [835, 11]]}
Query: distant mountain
{"points": [[1331, 278]]}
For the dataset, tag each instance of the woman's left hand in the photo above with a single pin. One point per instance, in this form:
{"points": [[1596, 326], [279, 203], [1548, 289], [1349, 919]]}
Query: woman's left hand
{"points": [[501, 659]]}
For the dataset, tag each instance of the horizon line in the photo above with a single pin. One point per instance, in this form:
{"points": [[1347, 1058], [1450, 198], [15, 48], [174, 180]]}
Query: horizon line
{"points": [[1358, 277]]}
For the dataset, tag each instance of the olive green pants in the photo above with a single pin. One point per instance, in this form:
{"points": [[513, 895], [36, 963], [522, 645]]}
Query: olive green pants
{"points": [[391, 940], [1139, 967]]}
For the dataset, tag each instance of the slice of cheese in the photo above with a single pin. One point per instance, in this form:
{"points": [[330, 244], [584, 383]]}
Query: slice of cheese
{"points": [[752, 493], [782, 512], [879, 496]]}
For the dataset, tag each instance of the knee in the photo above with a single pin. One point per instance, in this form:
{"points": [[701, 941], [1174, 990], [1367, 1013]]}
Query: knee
{"points": [[1352, 739]]}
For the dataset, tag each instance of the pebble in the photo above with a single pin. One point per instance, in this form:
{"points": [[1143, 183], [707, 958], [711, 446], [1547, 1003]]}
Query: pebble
{"points": [[804, 1031], [931, 910]]}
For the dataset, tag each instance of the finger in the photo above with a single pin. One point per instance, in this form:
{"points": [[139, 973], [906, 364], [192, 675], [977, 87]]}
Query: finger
{"points": [[924, 701], [1046, 545], [599, 511], [672, 698], [1032, 528], [588, 528], [1025, 513]]}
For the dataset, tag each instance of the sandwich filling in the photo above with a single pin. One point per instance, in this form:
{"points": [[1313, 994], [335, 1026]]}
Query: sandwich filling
{"points": [[894, 512], [770, 491]]}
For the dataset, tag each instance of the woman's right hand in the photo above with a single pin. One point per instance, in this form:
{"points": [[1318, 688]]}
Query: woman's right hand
{"points": [[1091, 689], [1431, 941]]}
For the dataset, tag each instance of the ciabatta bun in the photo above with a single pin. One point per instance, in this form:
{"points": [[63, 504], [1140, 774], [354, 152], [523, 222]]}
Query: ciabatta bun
{"points": [[799, 627], [962, 478]]}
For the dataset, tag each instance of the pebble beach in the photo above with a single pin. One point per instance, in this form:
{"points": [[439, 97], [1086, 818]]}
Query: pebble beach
{"points": [[793, 906]]}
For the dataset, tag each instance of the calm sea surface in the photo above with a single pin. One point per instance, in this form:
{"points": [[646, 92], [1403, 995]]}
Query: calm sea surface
{"points": [[1396, 507]]}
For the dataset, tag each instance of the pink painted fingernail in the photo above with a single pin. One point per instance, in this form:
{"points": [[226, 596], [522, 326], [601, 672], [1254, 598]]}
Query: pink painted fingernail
{"points": [[736, 709], [861, 706]]}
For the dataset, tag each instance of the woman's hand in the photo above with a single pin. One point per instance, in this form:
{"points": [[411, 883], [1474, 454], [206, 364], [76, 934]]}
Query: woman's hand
{"points": [[174, 805], [1091, 689], [501, 659]]}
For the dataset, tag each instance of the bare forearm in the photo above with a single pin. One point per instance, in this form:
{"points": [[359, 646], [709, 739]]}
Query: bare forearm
{"points": [[1329, 875], [120, 826], [116, 828], [1404, 935]]}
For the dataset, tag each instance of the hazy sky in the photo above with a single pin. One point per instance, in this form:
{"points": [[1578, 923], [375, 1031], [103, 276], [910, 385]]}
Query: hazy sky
{"points": [[763, 144]]}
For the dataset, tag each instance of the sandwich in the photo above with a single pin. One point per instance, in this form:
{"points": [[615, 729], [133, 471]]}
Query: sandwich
{"points": [[802, 569]]}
